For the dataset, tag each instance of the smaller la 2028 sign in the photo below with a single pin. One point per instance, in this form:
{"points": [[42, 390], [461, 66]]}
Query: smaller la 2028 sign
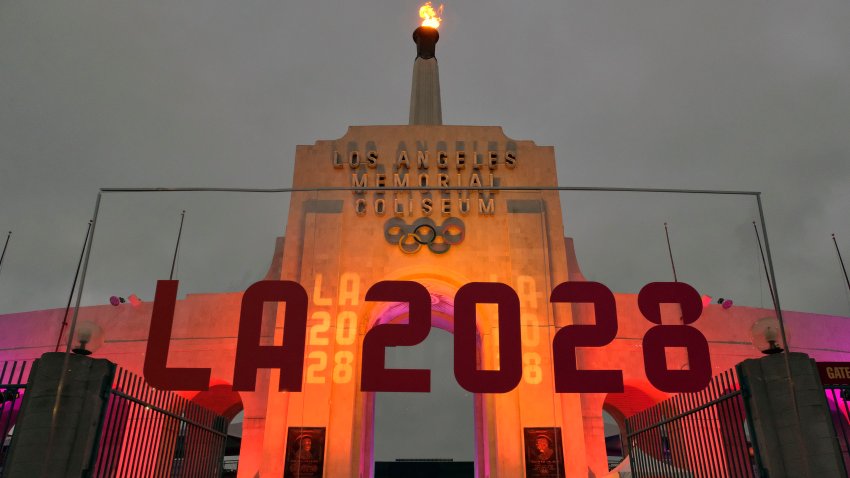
{"points": [[289, 357]]}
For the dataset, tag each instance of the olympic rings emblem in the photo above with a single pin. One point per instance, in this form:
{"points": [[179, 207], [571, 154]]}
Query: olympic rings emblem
{"points": [[424, 232]]}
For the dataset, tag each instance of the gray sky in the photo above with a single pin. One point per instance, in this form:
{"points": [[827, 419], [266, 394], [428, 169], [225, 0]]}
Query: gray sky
{"points": [[725, 94]]}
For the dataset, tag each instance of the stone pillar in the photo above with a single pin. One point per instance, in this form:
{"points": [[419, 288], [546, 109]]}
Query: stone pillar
{"points": [[788, 448], [78, 419]]}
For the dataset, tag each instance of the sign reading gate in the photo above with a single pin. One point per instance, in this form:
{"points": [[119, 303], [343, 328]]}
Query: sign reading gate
{"points": [[834, 373]]}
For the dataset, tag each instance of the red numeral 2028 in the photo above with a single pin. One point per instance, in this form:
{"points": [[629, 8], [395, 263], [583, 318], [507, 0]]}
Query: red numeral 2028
{"points": [[289, 357]]}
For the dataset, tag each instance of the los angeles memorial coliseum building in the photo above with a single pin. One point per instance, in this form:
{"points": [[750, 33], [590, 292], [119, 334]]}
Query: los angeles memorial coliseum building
{"points": [[443, 222]]}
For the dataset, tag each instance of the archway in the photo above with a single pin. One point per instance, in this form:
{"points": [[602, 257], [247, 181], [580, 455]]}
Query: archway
{"points": [[616, 407], [436, 425], [224, 401], [442, 317], [615, 436]]}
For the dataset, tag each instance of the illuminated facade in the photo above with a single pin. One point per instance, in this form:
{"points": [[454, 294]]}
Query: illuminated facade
{"points": [[437, 223]]}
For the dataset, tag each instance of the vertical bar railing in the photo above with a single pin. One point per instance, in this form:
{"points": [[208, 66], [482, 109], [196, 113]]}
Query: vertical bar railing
{"points": [[13, 379], [694, 435], [158, 434], [838, 397]]}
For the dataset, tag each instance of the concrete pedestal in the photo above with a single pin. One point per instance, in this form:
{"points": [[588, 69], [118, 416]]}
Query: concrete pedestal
{"points": [[788, 447], [60, 444]]}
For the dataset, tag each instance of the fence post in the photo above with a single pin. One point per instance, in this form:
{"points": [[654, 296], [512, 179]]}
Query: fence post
{"points": [[78, 423], [784, 448]]}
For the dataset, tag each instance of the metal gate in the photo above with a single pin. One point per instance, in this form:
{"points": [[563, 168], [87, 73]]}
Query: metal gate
{"points": [[695, 435], [144, 432], [838, 397], [13, 378], [154, 433]]}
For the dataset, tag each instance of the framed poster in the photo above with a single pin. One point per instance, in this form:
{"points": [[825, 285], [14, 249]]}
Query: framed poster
{"points": [[544, 453], [305, 452]]}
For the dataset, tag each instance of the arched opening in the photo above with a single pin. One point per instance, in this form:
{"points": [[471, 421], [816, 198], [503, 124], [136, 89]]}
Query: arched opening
{"points": [[224, 401], [436, 425], [615, 409], [431, 429], [615, 436], [233, 445]]}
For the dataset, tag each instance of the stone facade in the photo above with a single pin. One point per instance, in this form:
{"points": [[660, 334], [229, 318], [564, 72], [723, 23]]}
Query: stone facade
{"points": [[339, 243]]}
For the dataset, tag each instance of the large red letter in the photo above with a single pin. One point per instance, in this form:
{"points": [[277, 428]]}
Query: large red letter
{"points": [[660, 337], [567, 376], [157, 373], [510, 347], [374, 376], [289, 357]]}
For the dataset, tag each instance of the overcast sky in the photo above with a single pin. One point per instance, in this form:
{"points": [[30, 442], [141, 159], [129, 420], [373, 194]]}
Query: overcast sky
{"points": [[709, 94]]}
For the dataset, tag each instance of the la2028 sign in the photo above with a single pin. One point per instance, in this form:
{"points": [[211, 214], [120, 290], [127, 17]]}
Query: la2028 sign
{"points": [[289, 357]]}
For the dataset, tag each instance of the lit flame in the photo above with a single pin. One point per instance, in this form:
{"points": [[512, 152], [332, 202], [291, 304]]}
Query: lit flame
{"points": [[430, 17]]}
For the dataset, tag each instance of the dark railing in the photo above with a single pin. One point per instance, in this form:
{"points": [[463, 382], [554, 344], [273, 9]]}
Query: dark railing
{"points": [[13, 379], [154, 433], [694, 435], [838, 397]]}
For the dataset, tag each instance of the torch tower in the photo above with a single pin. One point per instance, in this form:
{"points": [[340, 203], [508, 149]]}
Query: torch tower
{"points": [[425, 203], [425, 107]]}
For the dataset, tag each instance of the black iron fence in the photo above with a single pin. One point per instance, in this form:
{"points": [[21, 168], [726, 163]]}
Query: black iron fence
{"points": [[154, 433], [695, 435], [838, 397], [13, 379]]}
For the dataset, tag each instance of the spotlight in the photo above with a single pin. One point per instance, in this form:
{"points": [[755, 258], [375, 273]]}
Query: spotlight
{"points": [[706, 299], [726, 303], [134, 300]]}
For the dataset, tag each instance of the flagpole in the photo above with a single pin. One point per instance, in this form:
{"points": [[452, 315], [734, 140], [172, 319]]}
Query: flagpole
{"points": [[73, 286], [3, 255], [73, 326], [841, 261], [670, 251], [766, 275], [177, 246]]}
